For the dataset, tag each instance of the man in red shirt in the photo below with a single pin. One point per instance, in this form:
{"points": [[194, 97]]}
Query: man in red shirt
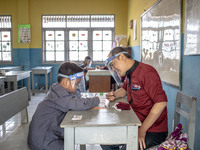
{"points": [[145, 95]]}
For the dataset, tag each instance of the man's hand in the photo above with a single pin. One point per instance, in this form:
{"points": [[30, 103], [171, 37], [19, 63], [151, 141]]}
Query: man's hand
{"points": [[110, 96], [141, 139]]}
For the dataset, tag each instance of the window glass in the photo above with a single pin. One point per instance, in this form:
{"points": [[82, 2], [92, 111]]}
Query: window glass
{"points": [[49, 35], [97, 45], [97, 55], [73, 55], [60, 46], [83, 45], [83, 35], [5, 36], [60, 56], [50, 46], [107, 35], [59, 35], [82, 55], [73, 45], [107, 45], [73, 37], [7, 56], [50, 56]]}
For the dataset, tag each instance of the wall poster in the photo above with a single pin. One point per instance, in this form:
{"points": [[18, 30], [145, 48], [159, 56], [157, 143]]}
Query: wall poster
{"points": [[192, 34], [24, 33]]}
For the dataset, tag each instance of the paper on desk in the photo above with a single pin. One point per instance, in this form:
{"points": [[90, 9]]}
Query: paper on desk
{"points": [[103, 101], [103, 104], [77, 117]]}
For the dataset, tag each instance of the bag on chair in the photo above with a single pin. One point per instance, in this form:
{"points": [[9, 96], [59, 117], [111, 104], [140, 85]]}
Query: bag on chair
{"points": [[176, 141]]}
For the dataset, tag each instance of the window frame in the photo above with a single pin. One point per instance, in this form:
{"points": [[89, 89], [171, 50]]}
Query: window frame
{"points": [[66, 38], [11, 41]]}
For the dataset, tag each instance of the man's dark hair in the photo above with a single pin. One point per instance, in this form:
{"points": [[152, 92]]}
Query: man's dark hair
{"points": [[68, 68], [117, 50]]}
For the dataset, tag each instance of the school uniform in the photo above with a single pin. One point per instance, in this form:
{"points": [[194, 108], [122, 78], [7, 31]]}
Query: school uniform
{"points": [[44, 130]]}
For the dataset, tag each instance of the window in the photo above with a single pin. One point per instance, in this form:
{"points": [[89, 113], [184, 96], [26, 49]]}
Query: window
{"points": [[5, 39], [72, 37]]}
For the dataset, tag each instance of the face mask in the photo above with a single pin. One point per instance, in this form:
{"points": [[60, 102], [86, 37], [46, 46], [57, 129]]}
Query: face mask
{"points": [[111, 68]]}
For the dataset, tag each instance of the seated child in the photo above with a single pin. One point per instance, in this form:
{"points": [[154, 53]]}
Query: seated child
{"points": [[44, 130]]}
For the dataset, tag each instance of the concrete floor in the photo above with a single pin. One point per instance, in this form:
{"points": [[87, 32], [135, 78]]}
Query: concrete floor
{"points": [[14, 137]]}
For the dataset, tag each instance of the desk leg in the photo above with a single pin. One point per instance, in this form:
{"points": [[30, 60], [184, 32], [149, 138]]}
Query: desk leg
{"points": [[33, 84], [132, 142], [82, 147], [39, 81], [2, 88], [69, 143], [15, 85], [50, 78], [46, 82], [29, 87]]}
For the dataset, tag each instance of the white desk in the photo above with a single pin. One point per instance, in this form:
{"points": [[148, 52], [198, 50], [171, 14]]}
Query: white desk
{"points": [[11, 68], [41, 70], [101, 126], [14, 76]]}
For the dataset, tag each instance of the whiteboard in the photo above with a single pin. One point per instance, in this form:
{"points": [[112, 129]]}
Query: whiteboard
{"points": [[192, 27], [161, 39]]}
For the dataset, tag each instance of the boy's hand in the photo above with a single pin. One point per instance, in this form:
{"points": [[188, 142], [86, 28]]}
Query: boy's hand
{"points": [[110, 96]]}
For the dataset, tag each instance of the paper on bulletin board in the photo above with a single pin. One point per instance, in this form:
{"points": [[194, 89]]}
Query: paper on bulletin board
{"points": [[24, 33]]}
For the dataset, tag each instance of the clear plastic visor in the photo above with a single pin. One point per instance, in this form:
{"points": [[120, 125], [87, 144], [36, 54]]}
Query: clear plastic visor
{"points": [[112, 69]]}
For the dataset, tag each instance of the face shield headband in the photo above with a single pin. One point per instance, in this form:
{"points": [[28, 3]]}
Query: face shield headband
{"points": [[72, 77], [110, 59]]}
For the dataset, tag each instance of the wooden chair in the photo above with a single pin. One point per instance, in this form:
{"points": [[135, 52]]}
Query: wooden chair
{"points": [[183, 102], [190, 103]]}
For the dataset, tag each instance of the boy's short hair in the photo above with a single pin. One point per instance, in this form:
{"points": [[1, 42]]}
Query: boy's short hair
{"points": [[117, 50], [68, 68], [88, 58]]}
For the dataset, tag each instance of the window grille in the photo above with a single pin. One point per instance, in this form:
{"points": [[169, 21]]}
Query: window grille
{"points": [[5, 39], [83, 35]]}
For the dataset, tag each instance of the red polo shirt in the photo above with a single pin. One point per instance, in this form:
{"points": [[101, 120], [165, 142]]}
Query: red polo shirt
{"points": [[145, 90]]}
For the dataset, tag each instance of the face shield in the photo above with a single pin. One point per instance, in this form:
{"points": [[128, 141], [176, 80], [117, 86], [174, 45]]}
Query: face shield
{"points": [[75, 78], [90, 64], [112, 69]]}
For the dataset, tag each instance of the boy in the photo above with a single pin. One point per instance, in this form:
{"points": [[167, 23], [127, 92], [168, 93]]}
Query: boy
{"points": [[86, 66], [144, 94], [44, 130]]}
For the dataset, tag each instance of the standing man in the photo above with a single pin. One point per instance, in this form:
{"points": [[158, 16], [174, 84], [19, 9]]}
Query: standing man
{"points": [[144, 94]]}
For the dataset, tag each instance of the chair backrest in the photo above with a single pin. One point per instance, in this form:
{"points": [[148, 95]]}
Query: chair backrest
{"points": [[190, 103]]}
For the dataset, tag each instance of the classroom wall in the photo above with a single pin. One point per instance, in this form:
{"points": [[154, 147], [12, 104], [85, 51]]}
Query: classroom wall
{"points": [[38, 7], [190, 64], [30, 11]]}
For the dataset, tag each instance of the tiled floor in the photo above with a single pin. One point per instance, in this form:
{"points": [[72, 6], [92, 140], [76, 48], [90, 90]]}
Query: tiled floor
{"points": [[14, 137]]}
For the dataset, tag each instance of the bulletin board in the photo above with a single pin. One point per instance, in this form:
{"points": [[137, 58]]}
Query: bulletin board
{"points": [[192, 34], [161, 39], [24, 33]]}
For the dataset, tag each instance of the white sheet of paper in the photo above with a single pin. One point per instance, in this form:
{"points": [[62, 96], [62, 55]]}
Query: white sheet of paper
{"points": [[77, 117]]}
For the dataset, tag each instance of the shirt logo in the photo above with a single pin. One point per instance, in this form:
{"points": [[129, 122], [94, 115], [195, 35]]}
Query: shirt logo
{"points": [[136, 87]]}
